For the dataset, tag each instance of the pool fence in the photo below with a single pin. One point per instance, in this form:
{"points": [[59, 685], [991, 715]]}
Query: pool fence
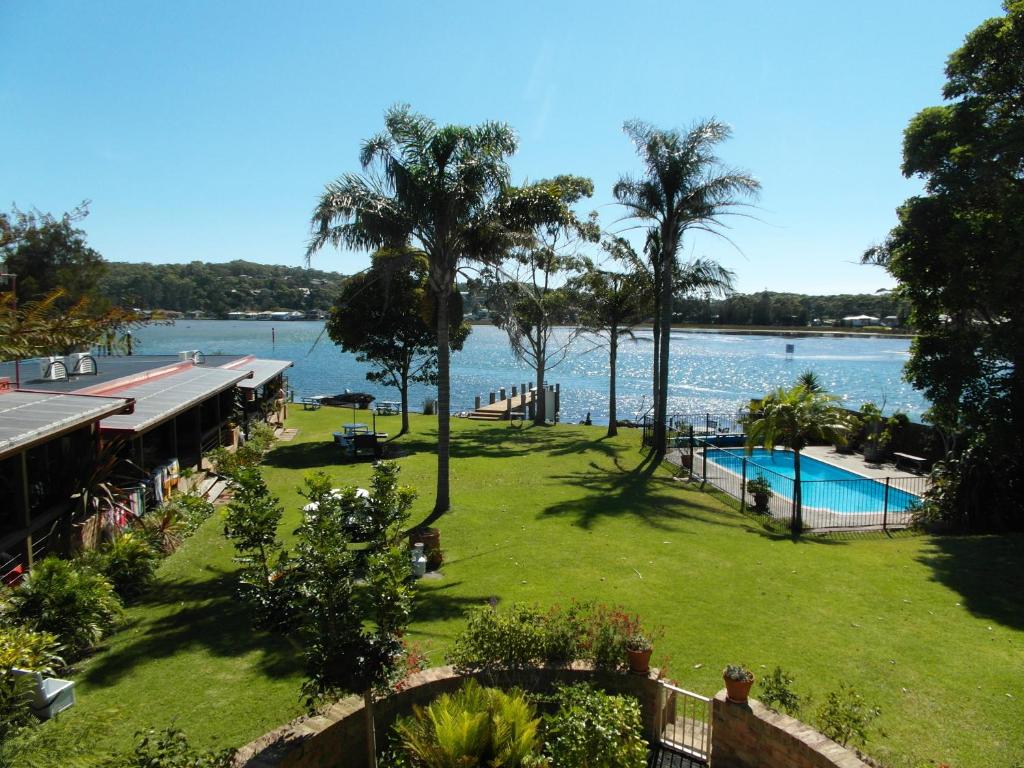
{"points": [[854, 503]]}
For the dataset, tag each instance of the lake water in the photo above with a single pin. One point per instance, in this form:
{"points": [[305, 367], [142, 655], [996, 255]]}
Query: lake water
{"points": [[709, 372]]}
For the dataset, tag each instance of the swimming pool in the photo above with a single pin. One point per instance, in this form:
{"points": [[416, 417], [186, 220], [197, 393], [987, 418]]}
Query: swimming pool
{"points": [[823, 486]]}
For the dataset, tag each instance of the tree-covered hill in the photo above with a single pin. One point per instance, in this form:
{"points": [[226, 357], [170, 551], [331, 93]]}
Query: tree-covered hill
{"points": [[216, 289], [774, 308]]}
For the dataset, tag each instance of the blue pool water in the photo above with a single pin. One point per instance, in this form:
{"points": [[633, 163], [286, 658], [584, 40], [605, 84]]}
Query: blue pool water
{"points": [[846, 494]]}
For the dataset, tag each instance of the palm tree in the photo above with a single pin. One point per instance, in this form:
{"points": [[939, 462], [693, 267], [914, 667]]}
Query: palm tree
{"points": [[436, 188], [611, 304], [685, 187], [795, 418]]}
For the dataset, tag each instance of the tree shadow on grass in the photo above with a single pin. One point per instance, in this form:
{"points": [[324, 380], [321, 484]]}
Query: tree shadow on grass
{"points": [[653, 499], [985, 571], [501, 442], [309, 455], [209, 616], [435, 602]]}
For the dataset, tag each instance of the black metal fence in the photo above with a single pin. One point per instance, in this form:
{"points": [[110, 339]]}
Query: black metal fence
{"points": [[680, 425], [825, 504]]}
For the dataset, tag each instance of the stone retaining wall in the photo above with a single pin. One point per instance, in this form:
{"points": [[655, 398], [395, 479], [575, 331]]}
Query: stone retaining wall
{"points": [[753, 736]]}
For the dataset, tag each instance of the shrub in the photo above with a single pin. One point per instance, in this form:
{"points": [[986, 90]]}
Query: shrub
{"points": [[592, 729], [429, 406], [250, 454], [267, 583], [27, 649], [473, 726], [844, 716], [163, 529], [129, 563], [777, 693], [21, 647], [169, 748], [522, 636], [75, 604], [192, 511]]}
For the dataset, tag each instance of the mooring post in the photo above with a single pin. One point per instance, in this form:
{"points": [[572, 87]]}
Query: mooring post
{"points": [[490, 395], [476, 403], [514, 390], [501, 393]]}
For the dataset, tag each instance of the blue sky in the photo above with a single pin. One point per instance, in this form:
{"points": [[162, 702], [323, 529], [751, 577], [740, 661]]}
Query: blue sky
{"points": [[206, 131]]}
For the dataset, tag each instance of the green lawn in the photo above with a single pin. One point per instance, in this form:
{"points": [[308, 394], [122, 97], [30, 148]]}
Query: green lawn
{"points": [[929, 629]]}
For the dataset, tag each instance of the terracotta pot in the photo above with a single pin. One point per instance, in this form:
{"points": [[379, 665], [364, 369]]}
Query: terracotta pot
{"points": [[737, 691], [639, 661], [430, 538]]}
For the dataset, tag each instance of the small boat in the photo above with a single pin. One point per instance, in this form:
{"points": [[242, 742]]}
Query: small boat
{"points": [[349, 400]]}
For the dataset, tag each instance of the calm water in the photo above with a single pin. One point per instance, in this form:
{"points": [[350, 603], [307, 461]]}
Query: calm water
{"points": [[709, 371]]}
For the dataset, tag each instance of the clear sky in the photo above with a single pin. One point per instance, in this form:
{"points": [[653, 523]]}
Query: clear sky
{"points": [[206, 130]]}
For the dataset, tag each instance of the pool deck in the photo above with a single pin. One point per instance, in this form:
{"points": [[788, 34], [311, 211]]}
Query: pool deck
{"points": [[855, 463]]}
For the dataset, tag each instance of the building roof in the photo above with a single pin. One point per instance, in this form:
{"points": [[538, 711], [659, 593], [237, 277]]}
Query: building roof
{"points": [[164, 396], [28, 418], [109, 368], [262, 370]]}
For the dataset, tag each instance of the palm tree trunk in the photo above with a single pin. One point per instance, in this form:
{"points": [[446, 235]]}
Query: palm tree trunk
{"points": [[613, 354], [798, 504], [660, 438], [656, 331], [442, 502]]}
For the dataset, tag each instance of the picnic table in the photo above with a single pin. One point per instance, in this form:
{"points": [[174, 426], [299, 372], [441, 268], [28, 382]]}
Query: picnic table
{"points": [[388, 407], [313, 402], [917, 463]]}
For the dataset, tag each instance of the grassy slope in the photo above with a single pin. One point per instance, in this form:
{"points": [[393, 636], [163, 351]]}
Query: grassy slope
{"points": [[929, 629]]}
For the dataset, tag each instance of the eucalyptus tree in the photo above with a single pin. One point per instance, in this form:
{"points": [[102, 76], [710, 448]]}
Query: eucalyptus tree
{"points": [[437, 188], [685, 187], [795, 418], [526, 298], [611, 304]]}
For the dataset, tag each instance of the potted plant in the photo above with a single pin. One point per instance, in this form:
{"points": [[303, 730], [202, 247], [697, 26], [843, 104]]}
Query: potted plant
{"points": [[762, 493], [738, 680], [843, 441], [638, 650], [880, 431]]}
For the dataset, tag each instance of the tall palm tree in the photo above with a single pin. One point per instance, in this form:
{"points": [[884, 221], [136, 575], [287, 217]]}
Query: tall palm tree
{"points": [[795, 418], [436, 188], [684, 187]]}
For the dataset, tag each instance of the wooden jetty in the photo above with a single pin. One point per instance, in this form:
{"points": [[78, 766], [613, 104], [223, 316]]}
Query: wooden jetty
{"points": [[518, 403]]}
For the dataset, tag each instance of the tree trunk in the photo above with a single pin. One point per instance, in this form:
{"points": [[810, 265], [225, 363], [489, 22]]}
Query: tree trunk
{"points": [[371, 731], [540, 414], [798, 503], [405, 405], [660, 438], [656, 354], [613, 354], [442, 502]]}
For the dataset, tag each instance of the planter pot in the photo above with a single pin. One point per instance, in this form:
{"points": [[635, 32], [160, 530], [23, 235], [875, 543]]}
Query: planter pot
{"points": [[687, 459], [873, 453], [430, 538], [639, 661], [761, 503], [737, 691]]}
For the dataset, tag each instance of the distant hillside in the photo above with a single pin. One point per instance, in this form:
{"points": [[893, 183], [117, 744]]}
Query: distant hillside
{"points": [[774, 308], [216, 289]]}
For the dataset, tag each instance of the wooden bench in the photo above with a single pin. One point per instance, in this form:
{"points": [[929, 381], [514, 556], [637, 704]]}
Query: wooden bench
{"points": [[917, 463]]}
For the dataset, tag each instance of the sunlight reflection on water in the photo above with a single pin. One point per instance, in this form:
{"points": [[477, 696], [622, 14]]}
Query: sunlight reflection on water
{"points": [[708, 371]]}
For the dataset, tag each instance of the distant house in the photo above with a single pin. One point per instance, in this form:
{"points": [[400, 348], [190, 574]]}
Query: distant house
{"points": [[891, 321], [859, 321]]}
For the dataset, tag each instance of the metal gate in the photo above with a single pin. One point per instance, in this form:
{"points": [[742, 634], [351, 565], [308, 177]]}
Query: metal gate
{"points": [[684, 722]]}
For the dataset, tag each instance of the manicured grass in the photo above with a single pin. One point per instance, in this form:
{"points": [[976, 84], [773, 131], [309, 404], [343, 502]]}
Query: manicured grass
{"points": [[929, 629]]}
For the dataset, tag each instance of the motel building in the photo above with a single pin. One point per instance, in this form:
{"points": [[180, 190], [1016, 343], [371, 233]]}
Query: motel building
{"points": [[99, 422]]}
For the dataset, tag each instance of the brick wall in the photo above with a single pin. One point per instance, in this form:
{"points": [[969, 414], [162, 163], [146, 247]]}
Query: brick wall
{"points": [[337, 737], [753, 736]]}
